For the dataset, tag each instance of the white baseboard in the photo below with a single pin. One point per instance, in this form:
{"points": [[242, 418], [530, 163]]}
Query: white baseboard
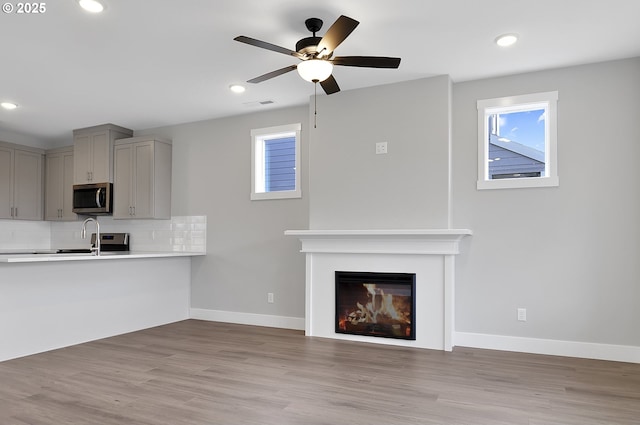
{"points": [[267, 320], [587, 350]]}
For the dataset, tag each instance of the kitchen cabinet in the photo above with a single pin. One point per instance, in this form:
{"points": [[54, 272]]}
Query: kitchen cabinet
{"points": [[93, 152], [59, 185], [142, 178], [21, 182]]}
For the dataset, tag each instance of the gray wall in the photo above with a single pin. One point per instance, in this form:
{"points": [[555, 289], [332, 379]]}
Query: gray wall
{"points": [[352, 187], [21, 139], [569, 254], [247, 253]]}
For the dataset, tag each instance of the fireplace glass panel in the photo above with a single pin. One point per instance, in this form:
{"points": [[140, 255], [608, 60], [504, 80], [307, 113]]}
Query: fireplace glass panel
{"points": [[375, 304]]}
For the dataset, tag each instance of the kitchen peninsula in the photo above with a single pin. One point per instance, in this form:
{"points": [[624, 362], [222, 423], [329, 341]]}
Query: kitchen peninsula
{"points": [[50, 301], [53, 304]]}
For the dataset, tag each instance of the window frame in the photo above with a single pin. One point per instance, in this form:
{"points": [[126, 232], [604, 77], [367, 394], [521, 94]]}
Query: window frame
{"points": [[486, 107], [258, 136]]}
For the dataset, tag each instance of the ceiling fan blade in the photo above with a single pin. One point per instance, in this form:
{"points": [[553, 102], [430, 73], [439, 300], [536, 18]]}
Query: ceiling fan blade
{"points": [[367, 61], [330, 85], [336, 34], [268, 46], [272, 74]]}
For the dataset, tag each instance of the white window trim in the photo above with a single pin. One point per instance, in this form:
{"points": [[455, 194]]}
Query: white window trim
{"points": [[547, 100], [257, 162]]}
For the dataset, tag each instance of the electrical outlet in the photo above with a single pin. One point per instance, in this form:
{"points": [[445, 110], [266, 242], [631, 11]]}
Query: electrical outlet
{"points": [[522, 314], [270, 297], [381, 148]]}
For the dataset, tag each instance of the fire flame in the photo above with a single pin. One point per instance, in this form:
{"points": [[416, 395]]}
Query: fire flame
{"points": [[380, 307]]}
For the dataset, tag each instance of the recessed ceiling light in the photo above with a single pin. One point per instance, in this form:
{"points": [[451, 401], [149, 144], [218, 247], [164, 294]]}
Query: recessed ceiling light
{"points": [[505, 40], [8, 105], [237, 88], [92, 6]]}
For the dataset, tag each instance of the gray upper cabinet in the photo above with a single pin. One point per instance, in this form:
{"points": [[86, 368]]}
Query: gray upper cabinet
{"points": [[59, 185], [93, 152], [142, 178], [21, 182]]}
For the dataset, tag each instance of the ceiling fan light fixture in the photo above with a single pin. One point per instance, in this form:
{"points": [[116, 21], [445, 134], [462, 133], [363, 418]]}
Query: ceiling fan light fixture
{"points": [[315, 70]]}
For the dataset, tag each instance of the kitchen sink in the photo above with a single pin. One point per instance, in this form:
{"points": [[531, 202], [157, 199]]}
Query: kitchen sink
{"points": [[73, 251], [61, 252], [81, 252]]}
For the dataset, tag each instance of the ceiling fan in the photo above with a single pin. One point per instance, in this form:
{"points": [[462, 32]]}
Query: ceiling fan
{"points": [[316, 54]]}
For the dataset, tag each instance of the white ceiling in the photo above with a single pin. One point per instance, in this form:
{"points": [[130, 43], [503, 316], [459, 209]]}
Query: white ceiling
{"points": [[149, 63]]}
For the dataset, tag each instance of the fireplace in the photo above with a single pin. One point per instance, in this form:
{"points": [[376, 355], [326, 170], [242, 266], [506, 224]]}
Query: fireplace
{"points": [[375, 304], [429, 253]]}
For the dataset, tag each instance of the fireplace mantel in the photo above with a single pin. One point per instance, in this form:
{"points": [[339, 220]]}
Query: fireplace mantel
{"points": [[384, 241], [427, 252]]}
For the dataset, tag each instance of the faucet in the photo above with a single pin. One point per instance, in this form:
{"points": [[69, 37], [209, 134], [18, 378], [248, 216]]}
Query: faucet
{"points": [[94, 249]]}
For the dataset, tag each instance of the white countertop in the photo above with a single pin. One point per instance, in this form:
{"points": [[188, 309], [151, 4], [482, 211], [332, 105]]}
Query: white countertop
{"points": [[36, 258]]}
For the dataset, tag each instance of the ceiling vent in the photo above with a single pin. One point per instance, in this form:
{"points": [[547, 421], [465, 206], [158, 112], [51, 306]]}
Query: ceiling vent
{"points": [[258, 103]]}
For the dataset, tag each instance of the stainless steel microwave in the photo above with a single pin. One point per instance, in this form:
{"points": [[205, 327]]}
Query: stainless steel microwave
{"points": [[93, 199]]}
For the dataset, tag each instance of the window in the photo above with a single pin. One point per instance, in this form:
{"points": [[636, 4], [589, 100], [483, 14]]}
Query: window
{"points": [[275, 162], [517, 141]]}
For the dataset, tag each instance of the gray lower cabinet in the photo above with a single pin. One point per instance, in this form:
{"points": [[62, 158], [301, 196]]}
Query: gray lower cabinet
{"points": [[142, 178], [59, 185], [21, 182]]}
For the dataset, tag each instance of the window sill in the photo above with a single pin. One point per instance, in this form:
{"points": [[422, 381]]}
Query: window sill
{"points": [[285, 194], [518, 183]]}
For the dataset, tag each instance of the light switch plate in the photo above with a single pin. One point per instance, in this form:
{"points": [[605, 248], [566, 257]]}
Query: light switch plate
{"points": [[522, 314]]}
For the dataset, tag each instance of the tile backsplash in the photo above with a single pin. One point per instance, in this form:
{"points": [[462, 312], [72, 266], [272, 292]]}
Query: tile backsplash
{"points": [[23, 234], [180, 234]]}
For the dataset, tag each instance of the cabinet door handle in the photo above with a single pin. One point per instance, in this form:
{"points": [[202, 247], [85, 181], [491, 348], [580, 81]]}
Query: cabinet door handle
{"points": [[11, 211], [134, 210], [16, 212]]}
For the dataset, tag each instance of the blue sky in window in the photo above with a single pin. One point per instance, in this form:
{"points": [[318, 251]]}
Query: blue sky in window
{"points": [[526, 128]]}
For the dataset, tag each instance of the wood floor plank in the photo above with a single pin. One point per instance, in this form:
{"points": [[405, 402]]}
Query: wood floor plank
{"points": [[205, 373]]}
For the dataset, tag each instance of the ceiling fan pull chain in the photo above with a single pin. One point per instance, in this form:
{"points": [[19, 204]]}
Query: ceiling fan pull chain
{"points": [[315, 104]]}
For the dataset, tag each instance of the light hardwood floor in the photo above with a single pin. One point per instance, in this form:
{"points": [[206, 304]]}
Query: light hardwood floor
{"points": [[203, 373]]}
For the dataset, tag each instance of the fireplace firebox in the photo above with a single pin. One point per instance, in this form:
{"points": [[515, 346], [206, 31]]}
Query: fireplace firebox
{"points": [[375, 304]]}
